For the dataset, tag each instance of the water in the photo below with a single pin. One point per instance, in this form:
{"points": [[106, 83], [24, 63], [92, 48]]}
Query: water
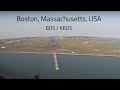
{"points": [[24, 66]]}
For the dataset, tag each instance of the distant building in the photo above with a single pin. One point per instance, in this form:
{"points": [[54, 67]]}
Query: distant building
{"points": [[1, 42], [73, 52], [3, 47]]}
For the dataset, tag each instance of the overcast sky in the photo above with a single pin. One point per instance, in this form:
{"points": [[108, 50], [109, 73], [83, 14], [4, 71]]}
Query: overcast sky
{"points": [[108, 27]]}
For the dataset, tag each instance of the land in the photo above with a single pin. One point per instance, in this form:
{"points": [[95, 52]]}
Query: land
{"points": [[88, 46], [81, 45], [25, 45]]}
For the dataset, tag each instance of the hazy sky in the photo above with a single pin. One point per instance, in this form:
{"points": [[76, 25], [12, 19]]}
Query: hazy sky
{"points": [[108, 27]]}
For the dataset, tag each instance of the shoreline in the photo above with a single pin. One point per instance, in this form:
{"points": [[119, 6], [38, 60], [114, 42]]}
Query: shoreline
{"points": [[28, 52], [89, 55], [64, 54]]}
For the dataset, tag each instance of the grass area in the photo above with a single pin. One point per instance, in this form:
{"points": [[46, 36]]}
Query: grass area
{"points": [[77, 44], [39, 45], [87, 46]]}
